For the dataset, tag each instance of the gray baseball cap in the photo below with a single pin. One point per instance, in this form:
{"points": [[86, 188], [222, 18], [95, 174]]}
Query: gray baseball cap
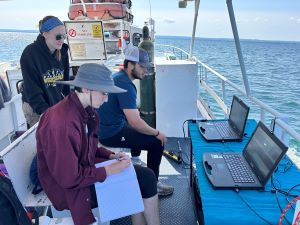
{"points": [[138, 55], [94, 77]]}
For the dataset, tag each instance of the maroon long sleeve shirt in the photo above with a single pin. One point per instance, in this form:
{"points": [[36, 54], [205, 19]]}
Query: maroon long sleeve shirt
{"points": [[67, 157]]}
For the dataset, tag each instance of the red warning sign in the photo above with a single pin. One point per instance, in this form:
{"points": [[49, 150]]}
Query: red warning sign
{"points": [[72, 33]]}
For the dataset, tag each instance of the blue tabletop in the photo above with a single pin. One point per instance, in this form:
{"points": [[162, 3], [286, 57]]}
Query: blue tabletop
{"points": [[247, 206]]}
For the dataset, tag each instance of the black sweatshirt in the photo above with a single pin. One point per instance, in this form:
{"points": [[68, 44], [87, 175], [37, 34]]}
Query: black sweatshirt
{"points": [[40, 71]]}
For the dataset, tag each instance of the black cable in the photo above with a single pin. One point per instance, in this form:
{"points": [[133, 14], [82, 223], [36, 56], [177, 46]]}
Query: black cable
{"points": [[190, 120], [288, 193], [183, 131], [185, 162], [249, 206], [279, 206]]}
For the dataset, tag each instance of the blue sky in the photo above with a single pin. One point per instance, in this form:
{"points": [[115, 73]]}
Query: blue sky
{"points": [[256, 19]]}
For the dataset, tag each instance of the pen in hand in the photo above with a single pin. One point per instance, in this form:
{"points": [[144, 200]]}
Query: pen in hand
{"points": [[121, 156]]}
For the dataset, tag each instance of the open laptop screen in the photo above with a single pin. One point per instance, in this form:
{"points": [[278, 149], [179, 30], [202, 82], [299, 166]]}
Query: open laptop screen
{"points": [[263, 152], [238, 114]]}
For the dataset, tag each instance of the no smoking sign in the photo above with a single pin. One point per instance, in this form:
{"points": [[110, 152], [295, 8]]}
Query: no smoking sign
{"points": [[72, 33]]}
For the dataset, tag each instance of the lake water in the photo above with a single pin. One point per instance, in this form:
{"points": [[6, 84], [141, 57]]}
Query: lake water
{"points": [[273, 68]]}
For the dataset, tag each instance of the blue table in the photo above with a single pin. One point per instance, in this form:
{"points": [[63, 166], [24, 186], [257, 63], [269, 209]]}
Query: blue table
{"points": [[247, 206]]}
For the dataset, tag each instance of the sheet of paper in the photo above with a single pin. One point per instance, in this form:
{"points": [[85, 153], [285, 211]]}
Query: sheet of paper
{"points": [[119, 195]]}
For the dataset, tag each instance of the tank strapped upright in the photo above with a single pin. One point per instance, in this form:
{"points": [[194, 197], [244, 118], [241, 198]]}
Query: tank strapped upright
{"points": [[147, 87]]}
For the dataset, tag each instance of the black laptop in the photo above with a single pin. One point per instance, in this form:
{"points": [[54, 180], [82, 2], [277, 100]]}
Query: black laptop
{"points": [[250, 169], [227, 130]]}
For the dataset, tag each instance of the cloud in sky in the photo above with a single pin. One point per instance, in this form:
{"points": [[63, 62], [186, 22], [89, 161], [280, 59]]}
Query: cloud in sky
{"points": [[168, 20]]}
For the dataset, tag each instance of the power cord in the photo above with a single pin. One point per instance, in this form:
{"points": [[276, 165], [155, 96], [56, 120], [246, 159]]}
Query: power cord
{"points": [[193, 121], [188, 120], [184, 154], [287, 194], [249, 206], [279, 206], [287, 166]]}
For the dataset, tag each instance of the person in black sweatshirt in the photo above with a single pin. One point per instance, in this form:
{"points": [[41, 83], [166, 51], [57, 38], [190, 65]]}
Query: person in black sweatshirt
{"points": [[44, 62]]}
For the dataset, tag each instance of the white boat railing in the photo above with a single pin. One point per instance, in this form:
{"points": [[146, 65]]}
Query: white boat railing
{"points": [[203, 71]]}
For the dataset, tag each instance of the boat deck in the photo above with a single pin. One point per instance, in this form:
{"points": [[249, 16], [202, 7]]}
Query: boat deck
{"points": [[176, 209]]}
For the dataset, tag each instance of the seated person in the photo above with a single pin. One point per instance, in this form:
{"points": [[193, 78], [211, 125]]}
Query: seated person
{"points": [[67, 150], [121, 124], [5, 93]]}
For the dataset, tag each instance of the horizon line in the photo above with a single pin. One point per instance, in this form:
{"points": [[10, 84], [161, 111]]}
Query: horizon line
{"points": [[159, 35]]}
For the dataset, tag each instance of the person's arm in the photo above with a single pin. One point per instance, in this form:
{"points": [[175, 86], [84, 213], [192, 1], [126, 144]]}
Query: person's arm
{"points": [[136, 122], [103, 153], [63, 161], [32, 83]]}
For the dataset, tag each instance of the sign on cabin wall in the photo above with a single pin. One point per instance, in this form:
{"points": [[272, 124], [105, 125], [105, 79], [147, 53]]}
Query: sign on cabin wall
{"points": [[85, 40]]}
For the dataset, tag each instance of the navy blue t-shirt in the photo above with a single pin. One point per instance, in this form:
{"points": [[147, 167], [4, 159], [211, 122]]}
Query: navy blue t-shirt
{"points": [[112, 117]]}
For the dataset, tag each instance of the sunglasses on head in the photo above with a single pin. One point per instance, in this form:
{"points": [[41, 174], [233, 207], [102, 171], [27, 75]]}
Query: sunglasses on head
{"points": [[60, 36]]}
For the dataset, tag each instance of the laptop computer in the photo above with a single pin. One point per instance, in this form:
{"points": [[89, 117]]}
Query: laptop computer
{"points": [[250, 169], [227, 130]]}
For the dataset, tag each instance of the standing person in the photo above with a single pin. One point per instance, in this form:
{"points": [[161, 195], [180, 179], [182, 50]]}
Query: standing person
{"points": [[67, 151], [121, 124], [44, 62]]}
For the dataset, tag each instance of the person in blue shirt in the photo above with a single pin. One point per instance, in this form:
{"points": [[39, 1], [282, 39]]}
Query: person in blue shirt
{"points": [[121, 124]]}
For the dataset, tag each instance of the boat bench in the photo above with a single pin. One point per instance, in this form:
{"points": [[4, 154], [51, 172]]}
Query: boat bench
{"points": [[17, 158]]}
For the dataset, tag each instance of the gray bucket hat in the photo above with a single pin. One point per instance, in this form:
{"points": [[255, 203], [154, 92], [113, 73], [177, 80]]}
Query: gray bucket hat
{"points": [[94, 77]]}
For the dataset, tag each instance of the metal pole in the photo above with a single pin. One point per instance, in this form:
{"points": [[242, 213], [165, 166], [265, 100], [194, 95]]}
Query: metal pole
{"points": [[197, 3], [237, 45]]}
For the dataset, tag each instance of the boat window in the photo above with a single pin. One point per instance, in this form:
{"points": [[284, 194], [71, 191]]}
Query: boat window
{"points": [[136, 39], [112, 38]]}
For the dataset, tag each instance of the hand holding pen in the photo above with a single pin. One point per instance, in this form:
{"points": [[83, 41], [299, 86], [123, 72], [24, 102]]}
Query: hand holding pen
{"points": [[121, 156], [123, 161]]}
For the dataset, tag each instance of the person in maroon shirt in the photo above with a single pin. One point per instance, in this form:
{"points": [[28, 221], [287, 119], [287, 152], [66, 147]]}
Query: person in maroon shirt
{"points": [[67, 150]]}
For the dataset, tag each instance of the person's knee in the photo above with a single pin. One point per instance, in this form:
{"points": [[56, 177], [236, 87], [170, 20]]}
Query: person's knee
{"points": [[157, 146], [147, 181]]}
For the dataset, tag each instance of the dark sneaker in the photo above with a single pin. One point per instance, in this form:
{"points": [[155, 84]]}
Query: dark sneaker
{"points": [[164, 189]]}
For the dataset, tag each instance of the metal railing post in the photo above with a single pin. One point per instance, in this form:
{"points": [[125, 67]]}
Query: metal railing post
{"points": [[238, 46], [197, 3], [224, 93]]}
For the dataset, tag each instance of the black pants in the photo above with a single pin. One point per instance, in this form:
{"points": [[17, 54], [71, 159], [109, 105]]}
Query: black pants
{"points": [[147, 184], [130, 138]]}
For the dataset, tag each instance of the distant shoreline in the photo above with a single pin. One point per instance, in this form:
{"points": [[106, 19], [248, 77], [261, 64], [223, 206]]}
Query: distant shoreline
{"points": [[19, 31], [163, 36]]}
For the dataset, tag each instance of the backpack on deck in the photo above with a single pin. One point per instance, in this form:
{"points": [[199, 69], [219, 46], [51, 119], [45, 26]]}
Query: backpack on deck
{"points": [[34, 177], [11, 209]]}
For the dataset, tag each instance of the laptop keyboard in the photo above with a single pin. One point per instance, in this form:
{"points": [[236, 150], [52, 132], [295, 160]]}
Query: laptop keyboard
{"points": [[224, 129], [239, 171]]}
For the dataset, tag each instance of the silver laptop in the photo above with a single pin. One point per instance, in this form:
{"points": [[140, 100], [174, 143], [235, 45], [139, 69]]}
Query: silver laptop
{"points": [[227, 130], [250, 169]]}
